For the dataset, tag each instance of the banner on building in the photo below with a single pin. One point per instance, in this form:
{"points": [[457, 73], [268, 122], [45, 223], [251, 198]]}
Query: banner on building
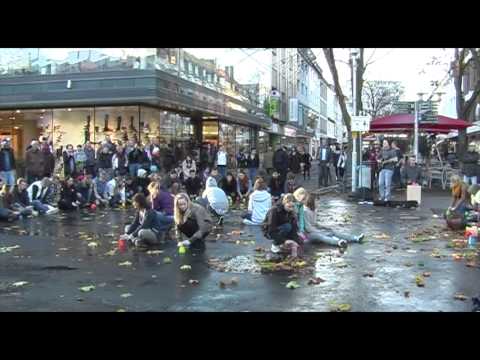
{"points": [[293, 110], [274, 111]]}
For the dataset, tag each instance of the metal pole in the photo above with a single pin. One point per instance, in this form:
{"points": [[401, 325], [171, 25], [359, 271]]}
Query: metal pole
{"points": [[354, 98], [415, 139]]}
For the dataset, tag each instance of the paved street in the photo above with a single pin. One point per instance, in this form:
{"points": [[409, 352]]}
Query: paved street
{"points": [[379, 275]]}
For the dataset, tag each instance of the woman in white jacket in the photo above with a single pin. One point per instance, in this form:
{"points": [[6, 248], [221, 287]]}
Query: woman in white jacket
{"points": [[317, 234], [259, 202]]}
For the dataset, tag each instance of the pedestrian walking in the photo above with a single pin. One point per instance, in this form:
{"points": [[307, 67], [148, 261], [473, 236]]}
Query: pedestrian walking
{"points": [[294, 161], [305, 163], [7, 163], [280, 164]]}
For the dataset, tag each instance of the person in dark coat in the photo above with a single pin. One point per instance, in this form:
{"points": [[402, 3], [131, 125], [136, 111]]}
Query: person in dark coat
{"points": [[294, 161], [34, 163], [305, 163], [253, 163], [136, 158], [470, 166], [69, 196], [280, 164], [69, 166], [7, 163], [193, 185], [324, 159]]}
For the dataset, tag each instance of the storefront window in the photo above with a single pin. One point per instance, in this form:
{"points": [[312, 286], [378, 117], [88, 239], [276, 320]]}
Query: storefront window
{"points": [[210, 132], [243, 139], [227, 139], [73, 126], [122, 123], [23, 126]]}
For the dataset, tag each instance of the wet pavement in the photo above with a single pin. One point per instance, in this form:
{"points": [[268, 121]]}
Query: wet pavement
{"points": [[59, 254]]}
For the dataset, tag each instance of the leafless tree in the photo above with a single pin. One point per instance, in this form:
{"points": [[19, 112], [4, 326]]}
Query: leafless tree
{"points": [[379, 97]]}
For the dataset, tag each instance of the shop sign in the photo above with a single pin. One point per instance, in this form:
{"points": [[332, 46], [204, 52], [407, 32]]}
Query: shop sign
{"points": [[293, 110], [274, 110], [290, 132], [361, 123]]}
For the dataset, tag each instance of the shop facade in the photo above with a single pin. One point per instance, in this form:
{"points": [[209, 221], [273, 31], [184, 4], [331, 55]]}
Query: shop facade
{"points": [[129, 105]]}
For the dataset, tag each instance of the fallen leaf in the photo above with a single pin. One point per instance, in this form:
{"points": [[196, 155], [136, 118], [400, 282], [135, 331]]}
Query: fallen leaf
{"points": [[185, 268], [292, 285], [341, 265], [406, 294], [6, 249], [125, 263], [193, 282], [420, 281], [426, 274], [460, 297], [111, 252], [121, 310], [457, 256], [154, 252], [234, 281], [341, 308], [63, 249], [167, 260], [381, 236], [102, 285], [92, 244], [315, 281], [471, 264], [19, 283], [369, 274], [259, 249], [87, 288], [126, 295]]}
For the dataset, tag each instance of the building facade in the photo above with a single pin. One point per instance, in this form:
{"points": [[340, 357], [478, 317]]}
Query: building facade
{"points": [[125, 93]]}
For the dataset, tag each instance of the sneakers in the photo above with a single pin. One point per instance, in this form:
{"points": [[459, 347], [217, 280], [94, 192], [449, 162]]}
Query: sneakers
{"points": [[52, 211], [342, 243]]}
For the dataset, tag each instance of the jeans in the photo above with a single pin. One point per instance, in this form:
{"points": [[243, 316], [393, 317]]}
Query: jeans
{"points": [[323, 174], [149, 236], [222, 170], [8, 177], [468, 179], [133, 169], [252, 172], [385, 184], [330, 237], [282, 234], [38, 206]]}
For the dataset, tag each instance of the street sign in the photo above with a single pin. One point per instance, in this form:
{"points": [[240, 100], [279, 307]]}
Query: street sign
{"points": [[404, 107], [428, 112], [361, 123]]}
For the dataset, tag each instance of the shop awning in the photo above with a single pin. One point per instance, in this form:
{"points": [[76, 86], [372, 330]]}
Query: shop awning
{"points": [[405, 122]]}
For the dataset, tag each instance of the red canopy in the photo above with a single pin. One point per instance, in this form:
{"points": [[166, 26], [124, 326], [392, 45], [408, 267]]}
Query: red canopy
{"points": [[405, 122]]}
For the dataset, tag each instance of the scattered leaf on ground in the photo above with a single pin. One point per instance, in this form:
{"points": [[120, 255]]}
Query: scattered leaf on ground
{"points": [[292, 285], [341, 308], [406, 294], [126, 295], [460, 297], [125, 263], [63, 249], [87, 288], [6, 249], [381, 236], [420, 281], [426, 274], [315, 281], [185, 268], [121, 310], [111, 252], [19, 283], [193, 282], [92, 244], [167, 260], [368, 274], [154, 252]]}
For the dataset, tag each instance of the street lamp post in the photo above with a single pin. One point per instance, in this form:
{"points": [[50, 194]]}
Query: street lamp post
{"points": [[417, 120], [354, 54]]}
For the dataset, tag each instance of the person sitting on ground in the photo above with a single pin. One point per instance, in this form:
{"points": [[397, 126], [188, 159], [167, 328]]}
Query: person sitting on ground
{"points": [[316, 234], [281, 226], [244, 186], [69, 196], [6, 199], [229, 185], [170, 179], [474, 192], [20, 201], [214, 174], [275, 186], [114, 194], [290, 184], [84, 186], [141, 182], [6, 214], [38, 192], [147, 228], [187, 166], [100, 189], [215, 200], [160, 200], [299, 195], [259, 203], [191, 220], [459, 196], [411, 172], [193, 185]]}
